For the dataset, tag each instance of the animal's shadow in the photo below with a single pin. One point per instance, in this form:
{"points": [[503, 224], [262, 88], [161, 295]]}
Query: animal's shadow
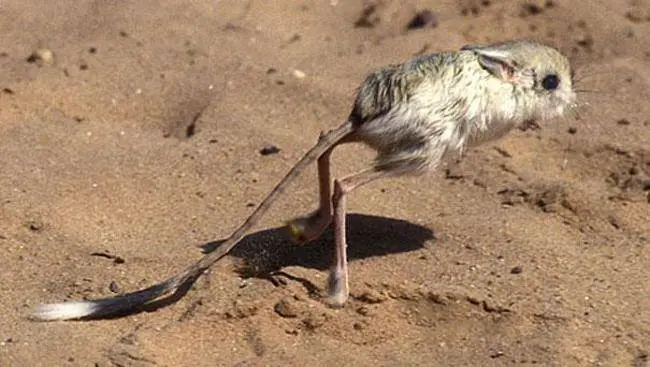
{"points": [[266, 252], [270, 250]]}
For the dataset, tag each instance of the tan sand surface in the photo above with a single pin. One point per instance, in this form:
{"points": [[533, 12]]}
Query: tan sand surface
{"points": [[139, 145]]}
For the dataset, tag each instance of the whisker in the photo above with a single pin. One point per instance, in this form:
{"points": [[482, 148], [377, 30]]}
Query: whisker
{"points": [[594, 92], [590, 75], [592, 70], [600, 100]]}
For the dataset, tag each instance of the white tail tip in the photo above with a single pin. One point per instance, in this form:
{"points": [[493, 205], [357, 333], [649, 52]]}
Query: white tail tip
{"points": [[63, 311]]}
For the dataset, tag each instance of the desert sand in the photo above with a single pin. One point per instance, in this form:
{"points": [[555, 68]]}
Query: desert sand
{"points": [[132, 134]]}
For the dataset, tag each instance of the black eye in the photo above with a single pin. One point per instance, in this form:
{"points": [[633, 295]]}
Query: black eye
{"points": [[550, 82]]}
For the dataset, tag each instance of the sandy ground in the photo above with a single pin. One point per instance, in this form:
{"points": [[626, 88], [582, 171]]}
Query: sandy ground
{"points": [[140, 145]]}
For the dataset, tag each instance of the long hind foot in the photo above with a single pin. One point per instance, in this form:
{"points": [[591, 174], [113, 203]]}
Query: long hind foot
{"points": [[308, 228], [337, 287]]}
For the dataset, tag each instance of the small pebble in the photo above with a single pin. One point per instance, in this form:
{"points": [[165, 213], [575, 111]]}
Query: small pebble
{"points": [[423, 19], [41, 56], [369, 17], [363, 310], [299, 74], [497, 354], [35, 225], [114, 287], [516, 270], [531, 9], [286, 308], [269, 149], [614, 221]]}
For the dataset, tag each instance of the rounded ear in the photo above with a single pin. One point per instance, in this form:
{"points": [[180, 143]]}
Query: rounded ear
{"points": [[501, 68], [496, 60]]}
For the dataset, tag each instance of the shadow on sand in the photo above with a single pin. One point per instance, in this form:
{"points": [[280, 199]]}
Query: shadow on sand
{"points": [[266, 252], [270, 250]]}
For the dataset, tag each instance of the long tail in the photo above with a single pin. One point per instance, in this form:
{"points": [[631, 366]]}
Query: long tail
{"points": [[113, 305]]}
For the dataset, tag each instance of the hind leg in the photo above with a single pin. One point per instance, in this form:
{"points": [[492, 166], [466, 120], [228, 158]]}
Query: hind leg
{"points": [[338, 291], [310, 227]]}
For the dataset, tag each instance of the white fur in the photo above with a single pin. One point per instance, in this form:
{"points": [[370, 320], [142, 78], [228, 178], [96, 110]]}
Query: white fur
{"points": [[63, 311], [431, 125]]}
